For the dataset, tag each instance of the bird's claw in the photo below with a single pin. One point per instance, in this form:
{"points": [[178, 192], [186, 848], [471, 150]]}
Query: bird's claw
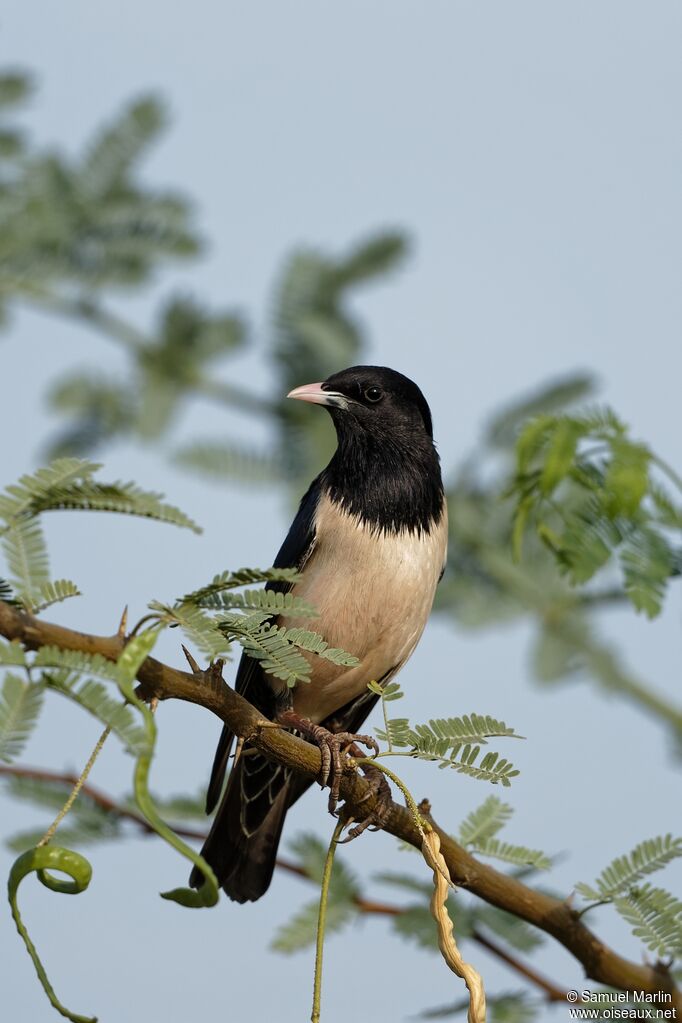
{"points": [[332, 746], [376, 819]]}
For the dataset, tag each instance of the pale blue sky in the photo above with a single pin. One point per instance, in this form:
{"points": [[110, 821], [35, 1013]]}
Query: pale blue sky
{"points": [[533, 151]]}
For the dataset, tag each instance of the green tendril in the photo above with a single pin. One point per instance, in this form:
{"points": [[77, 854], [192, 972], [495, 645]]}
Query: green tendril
{"points": [[322, 919], [42, 860], [135, 652]]}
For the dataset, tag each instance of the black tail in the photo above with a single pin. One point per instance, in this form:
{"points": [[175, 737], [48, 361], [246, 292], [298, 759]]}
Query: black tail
{"points": [[242, 843]]}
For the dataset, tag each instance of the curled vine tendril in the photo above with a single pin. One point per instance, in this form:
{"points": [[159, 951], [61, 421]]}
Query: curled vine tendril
{"points": [[42, 860]]}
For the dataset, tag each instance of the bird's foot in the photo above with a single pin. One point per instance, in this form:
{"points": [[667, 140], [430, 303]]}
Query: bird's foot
{"points": [[332, 746], [377, 817]]}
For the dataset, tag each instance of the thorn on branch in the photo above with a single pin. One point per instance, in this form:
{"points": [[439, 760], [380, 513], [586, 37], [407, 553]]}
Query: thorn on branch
{"points": [[123, 624], [196, 670]]}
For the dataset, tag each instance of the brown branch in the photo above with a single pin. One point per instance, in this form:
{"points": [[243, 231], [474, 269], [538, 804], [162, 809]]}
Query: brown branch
{"points": [[556, 918]]}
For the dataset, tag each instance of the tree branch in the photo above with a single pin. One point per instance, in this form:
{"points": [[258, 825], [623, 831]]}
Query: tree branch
{"points": [[370, 907], [209, 690]]}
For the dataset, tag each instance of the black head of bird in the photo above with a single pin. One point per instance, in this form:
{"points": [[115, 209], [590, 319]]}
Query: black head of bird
{"points": [[372, 400]]}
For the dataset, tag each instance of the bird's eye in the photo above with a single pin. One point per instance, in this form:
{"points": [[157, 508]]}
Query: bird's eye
{"points": [[374, 394]]}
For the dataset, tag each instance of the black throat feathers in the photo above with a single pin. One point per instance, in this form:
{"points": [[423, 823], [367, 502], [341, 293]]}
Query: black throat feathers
{"points": [[391, 481]]}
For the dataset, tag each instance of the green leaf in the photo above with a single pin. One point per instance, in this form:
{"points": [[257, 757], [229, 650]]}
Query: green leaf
{"points": [[24, 546], [15, 87], [273, 602], [228, 461], [646, 858], [405, 881], [510, 928], [656, 919], [12, 654], [519, 855], [416, 924], [54, 592], [647, 562], [371, 258], [484, 822], [627, 477], [300, 931], [531, 441], [559, 455], [442, 734], [313, 642], [121, 143], [33, 493], [268, 645], [95, 698], [241, 577], [503, 429], [199, 627], [67, 484], [20, 705], [76, 661]]}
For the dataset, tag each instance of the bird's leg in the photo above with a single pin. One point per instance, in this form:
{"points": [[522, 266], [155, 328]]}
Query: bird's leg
{"points": [[331, 746]]}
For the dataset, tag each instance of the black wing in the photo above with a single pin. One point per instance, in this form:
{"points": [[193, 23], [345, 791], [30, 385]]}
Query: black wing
{"points": [[251, 682]]}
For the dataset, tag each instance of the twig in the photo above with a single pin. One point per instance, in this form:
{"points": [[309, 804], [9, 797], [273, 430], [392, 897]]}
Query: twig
{"points": [[551, 915]]}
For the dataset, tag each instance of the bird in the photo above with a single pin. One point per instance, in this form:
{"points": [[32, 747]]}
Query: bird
{"points": [[370, 543]]}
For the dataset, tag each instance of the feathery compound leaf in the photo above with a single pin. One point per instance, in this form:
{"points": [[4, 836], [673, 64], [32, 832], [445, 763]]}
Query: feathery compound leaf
{"points": [[227, 461], [54, 593], [94, 697], [519, 855], [311, 854], [647, 562], [88, 821], [28, 496], [646, 858], [242, 577], [463, 759], [442, 734], [26, 552], [76, 661], [503, 429], [469, 728], [268, 645], [67, 484], [119, 144], [122, 498], [656, 919], [406, 882], [270, 601], [12, 654], [20, 704], [196, 625], [313, 642], [484, 822], [510, 928], [301, 930], [559, 454], [416, 924]]}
